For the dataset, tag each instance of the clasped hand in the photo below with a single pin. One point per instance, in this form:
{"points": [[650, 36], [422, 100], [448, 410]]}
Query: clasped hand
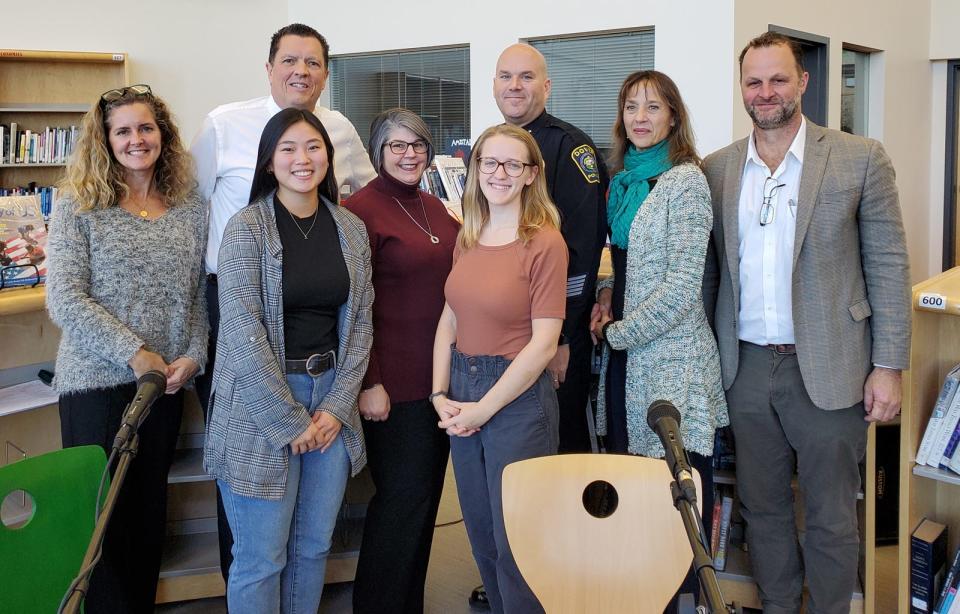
{"points": [[177, 372], [459, 418], [601, 313], [320, 435]]}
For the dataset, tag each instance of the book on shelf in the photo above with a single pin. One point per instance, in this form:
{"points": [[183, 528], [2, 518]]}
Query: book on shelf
{"points": [[948, 591], [724, 450], [445, 178], [723, 542], [47, 195], [928, 561], [52, 145], [23, 242], [944, 401], [715, 525], [949, 424]]}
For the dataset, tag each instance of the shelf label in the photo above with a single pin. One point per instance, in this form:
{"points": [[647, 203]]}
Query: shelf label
{"points": [[117, 57], [929, 300]]}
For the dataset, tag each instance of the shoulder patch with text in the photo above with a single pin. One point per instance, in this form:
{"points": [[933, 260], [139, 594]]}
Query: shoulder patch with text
{"points": [[586, 160]]}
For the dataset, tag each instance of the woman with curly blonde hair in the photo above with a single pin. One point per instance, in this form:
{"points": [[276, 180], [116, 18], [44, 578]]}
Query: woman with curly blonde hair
{"points": [[505, 304], [125, 286]]}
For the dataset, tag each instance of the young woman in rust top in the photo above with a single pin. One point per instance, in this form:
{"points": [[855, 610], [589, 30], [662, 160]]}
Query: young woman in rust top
{"points": [[411, 243], [505, 305]]}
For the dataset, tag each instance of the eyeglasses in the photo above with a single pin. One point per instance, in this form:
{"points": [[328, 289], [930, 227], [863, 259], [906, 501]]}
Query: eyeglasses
{"points": [[140, 89], [513, 168], [768, 210], [400, 147]]}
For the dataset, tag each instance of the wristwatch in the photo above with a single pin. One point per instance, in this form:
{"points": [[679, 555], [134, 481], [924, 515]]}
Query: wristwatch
{"points": [[433, 395]]}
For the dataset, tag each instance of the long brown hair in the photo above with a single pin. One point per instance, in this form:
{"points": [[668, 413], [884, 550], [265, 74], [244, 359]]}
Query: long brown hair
{"points": [[536, 209], [680, 139], [93, 176]]}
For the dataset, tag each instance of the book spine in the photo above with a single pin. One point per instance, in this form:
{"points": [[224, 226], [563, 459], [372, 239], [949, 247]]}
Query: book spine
{"points": [[720, 559], [950, 420], [948, 582], [715, 529], [921, 576], [944, 401]]}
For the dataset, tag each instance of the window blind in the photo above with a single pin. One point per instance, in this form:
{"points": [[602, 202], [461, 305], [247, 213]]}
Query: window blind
{"points": [[434, 83], [586, 73]]}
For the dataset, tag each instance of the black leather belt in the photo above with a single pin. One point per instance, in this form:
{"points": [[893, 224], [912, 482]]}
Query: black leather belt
{"points": [[783, 348], [212, 278], [314, 365]]}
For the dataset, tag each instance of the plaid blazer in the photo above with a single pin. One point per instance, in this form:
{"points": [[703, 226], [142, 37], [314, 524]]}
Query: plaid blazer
{"points": [[252, 416], [851, 276]]}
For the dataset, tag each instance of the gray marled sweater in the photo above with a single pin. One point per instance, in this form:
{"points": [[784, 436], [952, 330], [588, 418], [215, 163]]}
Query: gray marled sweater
{"points": [[117, 282]]}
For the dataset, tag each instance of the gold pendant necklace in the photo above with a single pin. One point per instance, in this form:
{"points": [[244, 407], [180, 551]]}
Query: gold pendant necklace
{"points": [[428, 230]]}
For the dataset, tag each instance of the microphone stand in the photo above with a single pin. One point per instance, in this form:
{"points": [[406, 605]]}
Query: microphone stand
{"points": [[128, 450], [702, 560]]}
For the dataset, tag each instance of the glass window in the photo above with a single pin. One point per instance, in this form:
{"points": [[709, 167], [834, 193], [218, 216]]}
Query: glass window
{"points": [[586, 72], [434, 83], [853, 92]]}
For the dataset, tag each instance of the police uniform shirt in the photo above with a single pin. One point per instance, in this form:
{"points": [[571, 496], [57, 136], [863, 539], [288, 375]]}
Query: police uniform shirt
{"points": [[577, 181]]}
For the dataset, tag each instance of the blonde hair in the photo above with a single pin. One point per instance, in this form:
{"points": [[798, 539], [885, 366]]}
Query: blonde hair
{"points": [[93, 176], [536, 207]]}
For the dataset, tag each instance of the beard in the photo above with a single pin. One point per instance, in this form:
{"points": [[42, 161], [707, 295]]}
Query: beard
{"points": [[777, 118]]}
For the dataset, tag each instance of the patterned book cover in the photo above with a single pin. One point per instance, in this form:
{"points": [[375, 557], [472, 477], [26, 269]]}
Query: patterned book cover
{"points": [[23, 242]]}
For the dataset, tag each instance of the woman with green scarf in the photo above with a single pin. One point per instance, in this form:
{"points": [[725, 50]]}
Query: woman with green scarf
{"points": [[650, 311]]}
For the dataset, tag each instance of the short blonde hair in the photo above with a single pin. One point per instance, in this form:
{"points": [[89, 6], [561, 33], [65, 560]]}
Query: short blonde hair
{"points": [[537, 209], [93, 176]]}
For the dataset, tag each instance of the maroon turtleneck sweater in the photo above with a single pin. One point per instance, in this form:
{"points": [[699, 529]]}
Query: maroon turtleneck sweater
{"points": [[408, 277]]}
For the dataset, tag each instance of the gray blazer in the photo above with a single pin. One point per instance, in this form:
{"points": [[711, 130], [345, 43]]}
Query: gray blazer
{"points": [[253, 416], [851, 278], [671, 352]]}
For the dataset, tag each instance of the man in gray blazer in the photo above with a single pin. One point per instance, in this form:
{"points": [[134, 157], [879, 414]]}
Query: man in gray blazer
{"points": [[807, 283]]}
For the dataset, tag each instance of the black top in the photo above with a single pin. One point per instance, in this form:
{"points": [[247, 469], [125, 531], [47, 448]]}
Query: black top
{"points": [[577, 181], [315, 281], [618, 256]]}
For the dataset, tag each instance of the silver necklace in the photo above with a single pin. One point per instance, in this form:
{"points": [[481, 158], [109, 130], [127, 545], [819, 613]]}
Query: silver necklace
{"points": [[428, 230], [306, 235]]}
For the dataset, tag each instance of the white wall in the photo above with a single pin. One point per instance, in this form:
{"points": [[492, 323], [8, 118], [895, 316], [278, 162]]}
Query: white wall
{"points": [[902, 31], [371, 25], [944, 25], [195, 55]]}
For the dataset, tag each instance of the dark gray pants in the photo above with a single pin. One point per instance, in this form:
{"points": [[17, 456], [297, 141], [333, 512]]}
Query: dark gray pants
{"points": [[778, 429], [525, 428]]}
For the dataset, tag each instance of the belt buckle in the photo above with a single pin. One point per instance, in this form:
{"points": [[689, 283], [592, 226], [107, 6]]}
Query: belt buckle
{"points": [[315, 364], [783, 349]]}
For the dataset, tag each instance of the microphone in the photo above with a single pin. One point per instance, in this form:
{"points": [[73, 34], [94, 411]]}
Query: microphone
{"points": [[664, 420], [150, 386]]}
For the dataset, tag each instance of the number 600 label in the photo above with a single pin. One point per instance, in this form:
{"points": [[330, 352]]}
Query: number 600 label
{"points": [[933, 301]]}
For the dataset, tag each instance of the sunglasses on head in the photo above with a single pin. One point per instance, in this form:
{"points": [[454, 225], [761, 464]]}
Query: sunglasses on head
{"points": [[140, 89]]}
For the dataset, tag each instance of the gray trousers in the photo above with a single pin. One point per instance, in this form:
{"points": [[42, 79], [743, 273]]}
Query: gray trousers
{"points": [[525, 428], [778, 429]]}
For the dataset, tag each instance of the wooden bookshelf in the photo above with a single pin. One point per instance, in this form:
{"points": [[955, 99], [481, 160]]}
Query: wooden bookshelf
{"points": [[926, 492], [51, 88]]}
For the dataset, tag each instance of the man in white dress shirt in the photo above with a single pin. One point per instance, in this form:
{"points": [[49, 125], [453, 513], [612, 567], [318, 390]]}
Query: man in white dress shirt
{"points": [[225, 151], [807, 283]]}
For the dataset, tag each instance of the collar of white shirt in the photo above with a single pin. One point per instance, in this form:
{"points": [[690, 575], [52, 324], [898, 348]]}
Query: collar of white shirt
{"points": [[796, 149]]}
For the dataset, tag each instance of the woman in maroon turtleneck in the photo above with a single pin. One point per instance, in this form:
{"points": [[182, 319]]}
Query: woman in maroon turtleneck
{"points": [[411, 241]]}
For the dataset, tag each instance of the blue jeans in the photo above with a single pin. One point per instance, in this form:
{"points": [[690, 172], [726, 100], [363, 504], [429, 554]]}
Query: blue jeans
{"points": [[280, 547], [524, 428]]}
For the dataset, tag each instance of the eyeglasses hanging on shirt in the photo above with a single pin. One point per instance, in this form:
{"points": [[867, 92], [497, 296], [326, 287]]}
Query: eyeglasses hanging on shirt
{"points": [[768, 210]]}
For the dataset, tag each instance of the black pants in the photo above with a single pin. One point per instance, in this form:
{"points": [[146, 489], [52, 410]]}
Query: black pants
{"points": [[224, 535], [407, 457], [574, 392], [125, 579]]}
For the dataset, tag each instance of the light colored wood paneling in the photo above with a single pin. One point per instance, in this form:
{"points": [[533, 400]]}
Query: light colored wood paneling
{"points": [[57, 82], [26, 338]]}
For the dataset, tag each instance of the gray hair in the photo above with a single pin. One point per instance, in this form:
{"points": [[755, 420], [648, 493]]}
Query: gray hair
{"points": [[396, 118]]}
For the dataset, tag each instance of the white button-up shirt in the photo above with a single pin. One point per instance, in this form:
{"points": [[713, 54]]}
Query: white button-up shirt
{"points": [[766, 252], [225, 151]]}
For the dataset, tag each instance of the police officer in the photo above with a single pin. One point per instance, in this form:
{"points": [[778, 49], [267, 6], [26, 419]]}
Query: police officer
{"points": [[577, 180]]}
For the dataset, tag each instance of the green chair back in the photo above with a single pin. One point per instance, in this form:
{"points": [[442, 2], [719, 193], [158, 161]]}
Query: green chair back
{"points": [[39, 559]]}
